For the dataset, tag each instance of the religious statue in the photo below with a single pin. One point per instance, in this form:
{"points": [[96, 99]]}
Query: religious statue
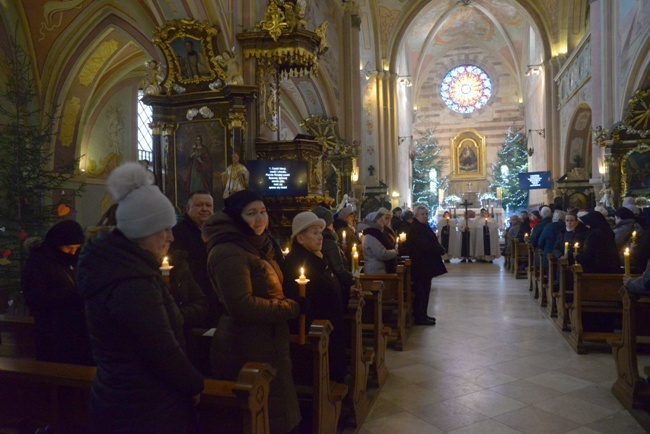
{"points": [[150, 84], [605, 196], [199, 171], [231, 66], [235, 178], [294, 13]]}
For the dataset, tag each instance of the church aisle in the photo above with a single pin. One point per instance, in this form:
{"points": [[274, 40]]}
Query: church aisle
{"points": [[494, 364]]}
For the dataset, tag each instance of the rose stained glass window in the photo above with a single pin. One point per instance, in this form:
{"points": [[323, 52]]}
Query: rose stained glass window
{"points": [[466, 88]]}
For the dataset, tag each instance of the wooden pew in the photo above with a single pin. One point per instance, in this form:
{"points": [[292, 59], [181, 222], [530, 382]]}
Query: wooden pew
{"points": [[520, 260], [56, 394], [564, 296], [17, 336], [540, 279], [408, 291], [551, 286], [630, 388], [318, 395], [360, 360], [530, 252], [392, 302], [596, 295], [374, 330]]}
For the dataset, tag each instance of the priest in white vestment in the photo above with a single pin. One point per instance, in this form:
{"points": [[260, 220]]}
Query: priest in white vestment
{"points": [[466, 237], [486, 247], [448, 236]]}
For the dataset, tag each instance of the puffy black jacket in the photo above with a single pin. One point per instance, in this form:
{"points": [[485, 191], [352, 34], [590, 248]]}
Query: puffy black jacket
{"points": [[144, 380]]}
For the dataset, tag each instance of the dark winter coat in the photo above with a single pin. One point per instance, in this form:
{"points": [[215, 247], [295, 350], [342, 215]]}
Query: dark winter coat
{"points": [[50, 290], [253, 327], [324, 301], [599, 254], [144, 381], [336, 260], [191, 301], [578, 235], [547, 239], [187, 237], [525, 228], [623, 232], [537, 231], [425, 253], [351, 238]]}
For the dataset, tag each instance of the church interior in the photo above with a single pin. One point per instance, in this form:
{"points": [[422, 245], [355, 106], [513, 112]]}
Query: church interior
{"points": [[366, 103]]}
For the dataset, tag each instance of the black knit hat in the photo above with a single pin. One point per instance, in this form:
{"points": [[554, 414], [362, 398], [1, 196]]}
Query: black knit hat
{"points": [[65, 233], [235, 204]]}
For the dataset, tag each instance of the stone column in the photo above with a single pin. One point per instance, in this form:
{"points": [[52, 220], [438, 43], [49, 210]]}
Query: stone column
{"points": [[157, 152]]}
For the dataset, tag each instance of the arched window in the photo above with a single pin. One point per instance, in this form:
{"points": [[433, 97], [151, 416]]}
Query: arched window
{"points": [[145, 138], [466, 88]]}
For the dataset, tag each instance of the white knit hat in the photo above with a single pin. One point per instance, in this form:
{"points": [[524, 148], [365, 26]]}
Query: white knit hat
{"points": [[305, 220], [143, 210]]}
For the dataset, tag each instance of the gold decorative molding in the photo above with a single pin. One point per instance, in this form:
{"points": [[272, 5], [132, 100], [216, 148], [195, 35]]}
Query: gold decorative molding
{"points": [[468, 151], [625, 175], [69, 122], [237, 120], [96, 61], [274, 21]]}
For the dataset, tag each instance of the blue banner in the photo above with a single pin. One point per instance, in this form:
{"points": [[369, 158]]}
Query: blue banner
{"points": [[535, 180]]}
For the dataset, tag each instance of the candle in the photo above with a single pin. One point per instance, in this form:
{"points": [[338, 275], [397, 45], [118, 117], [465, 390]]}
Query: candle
{"points": [[526, 238], [576, 246], [165, 268], [626, 257], [354, 248], [302, 292], [566, 248], [355, 261], [634, 238], [344, 234], [402, 237], [285, 252]]}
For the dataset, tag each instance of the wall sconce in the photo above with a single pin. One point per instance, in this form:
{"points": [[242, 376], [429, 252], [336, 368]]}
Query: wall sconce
{"points": [[405, 80], [415, 111], [534, 69], [385, 64], [354, 176], [366, 72], [602, 168], [541, 133], [402, 139]]}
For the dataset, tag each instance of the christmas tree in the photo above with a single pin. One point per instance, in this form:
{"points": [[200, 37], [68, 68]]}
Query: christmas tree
{"points": [[28, 185], [513, 160], [427, 166]]}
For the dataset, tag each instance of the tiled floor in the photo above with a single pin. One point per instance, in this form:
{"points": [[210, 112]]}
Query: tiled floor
{"points": [[494, 364]]}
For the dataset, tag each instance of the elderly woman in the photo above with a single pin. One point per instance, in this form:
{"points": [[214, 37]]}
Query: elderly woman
{"points": [[324, 295], [144, 380], [378, 253], [248, 282], [49, 285]]}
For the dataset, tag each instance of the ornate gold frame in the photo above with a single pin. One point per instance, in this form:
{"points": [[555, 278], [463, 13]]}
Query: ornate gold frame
{"points": [[171, 36], [642, 148], [476, 142]]}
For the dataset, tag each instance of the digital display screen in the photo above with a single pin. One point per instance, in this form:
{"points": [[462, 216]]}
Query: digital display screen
{"points": [[278, 178]]}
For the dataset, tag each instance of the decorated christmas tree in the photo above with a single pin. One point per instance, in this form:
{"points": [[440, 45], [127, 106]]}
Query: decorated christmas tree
{"points": [[427, 167], [513, 160], [32, 194]]}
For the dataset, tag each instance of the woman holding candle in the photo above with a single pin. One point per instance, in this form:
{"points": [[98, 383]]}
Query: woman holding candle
{"points": [[324, 293], [573, 232], [625, 226], [599, 253], [248, 282], [345, 224], [378, 253], [144, 380]]}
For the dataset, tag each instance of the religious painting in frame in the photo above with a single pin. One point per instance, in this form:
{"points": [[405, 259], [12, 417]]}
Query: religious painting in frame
{"points": [[189, 49], [635, 171], [468, 150], [201, 155]]}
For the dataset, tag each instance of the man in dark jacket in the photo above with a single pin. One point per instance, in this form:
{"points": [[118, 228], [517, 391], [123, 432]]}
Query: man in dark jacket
{"points": [[546, 214], [525, 226], [187, 237], [426, 263]]}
